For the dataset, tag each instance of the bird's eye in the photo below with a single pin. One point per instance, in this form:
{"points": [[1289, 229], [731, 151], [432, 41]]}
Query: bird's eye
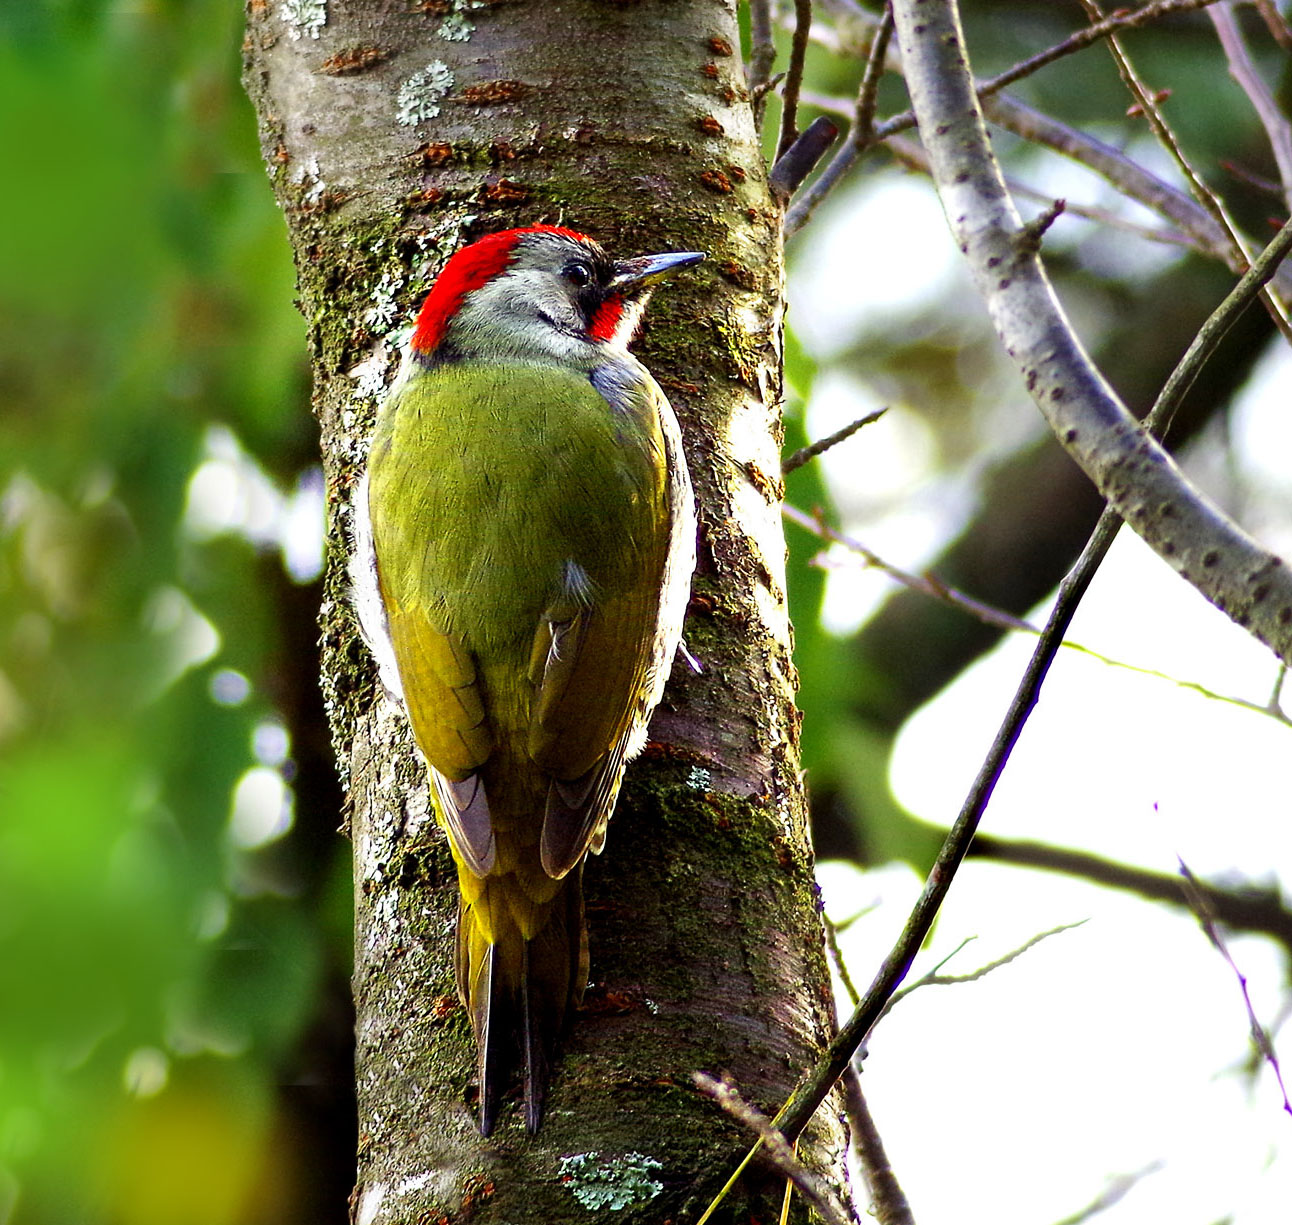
{"points": [[578, 275]]}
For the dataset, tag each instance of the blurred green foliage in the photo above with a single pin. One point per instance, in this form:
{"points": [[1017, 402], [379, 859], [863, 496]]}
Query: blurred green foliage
{"points": [[155, 975]]}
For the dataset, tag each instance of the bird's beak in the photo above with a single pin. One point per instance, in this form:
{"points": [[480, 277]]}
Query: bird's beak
{"points": [[647, 269]]}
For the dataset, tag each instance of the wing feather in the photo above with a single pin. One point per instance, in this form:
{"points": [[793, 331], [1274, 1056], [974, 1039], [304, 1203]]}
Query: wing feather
{"points": [[577, 810], [446, 709], [586, 706]]}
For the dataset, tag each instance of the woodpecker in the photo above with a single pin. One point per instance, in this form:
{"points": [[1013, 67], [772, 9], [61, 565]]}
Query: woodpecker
{"points": [[525, 539]]}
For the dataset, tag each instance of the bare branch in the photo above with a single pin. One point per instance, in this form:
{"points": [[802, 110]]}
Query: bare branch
{"points": [[1275, 22], [776, 1148], [1246, 175], [837, 961], [1130, 178], [1101, 27], [868, 91], [812, 1090], [1198, 904], [860, 135], [886, 1194], [969, 180], [800, 158], [762, 55], [1276, 697], [1105, 28], [910, 153], [1130, 468], [1212, 332], [1259, 911], [1110, 163], [1158, 196], [1147, 104], [804, 454], [794, 77], [1126, 175], [1271, 709], [1241, 68], [932, 586], [926, 584]]}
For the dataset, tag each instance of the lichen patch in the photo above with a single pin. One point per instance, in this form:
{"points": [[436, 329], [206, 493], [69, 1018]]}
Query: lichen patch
{"points": [[420, 95], [304, 18], [600, 1181]]}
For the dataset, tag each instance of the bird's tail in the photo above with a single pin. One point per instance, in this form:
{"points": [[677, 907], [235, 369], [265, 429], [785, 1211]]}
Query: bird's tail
{"points": [[521, 966]]}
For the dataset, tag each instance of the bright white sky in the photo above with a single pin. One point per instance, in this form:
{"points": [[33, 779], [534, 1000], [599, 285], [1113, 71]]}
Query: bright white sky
{"points": [[1122, 1045]]}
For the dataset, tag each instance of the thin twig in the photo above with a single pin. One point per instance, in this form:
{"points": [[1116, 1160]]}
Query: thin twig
{"points": [[794, 78], [953, 954], [923, 583], [1083, 38], [776, 1147], [936, 979], [1125, 174], [1116, 1190], [804, 454], [1245, 175], [933, 587], [1270, 710], [1276, 697], [860, 135], [842, 925], [1121, 171], [762, 55], [1198, 903], [889, 1204], [1213, 331], [1241, 68], [1147, 103], [843, 161], [837, 961], [868, 91], [1075, 145], [911, 154], [1101, 27]]}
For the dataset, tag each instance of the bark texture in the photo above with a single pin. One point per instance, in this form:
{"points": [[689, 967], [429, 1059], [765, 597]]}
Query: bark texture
{"points": [[393, 134]]}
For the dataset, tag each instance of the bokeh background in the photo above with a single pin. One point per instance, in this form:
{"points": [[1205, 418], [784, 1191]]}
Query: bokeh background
{"points": [[174, 894]]}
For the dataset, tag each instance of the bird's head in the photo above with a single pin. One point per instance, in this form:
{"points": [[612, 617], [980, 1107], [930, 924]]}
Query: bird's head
{"points": [[541, 293]]}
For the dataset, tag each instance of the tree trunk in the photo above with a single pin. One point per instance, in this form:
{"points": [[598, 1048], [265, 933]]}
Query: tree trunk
{"points": [[394, 133]]}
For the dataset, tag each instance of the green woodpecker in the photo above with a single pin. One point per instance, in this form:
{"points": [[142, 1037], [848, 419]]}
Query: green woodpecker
{"points": [[525, 539]]}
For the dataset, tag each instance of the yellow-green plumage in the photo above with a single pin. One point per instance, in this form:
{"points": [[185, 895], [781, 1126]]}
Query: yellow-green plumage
{"points": [[510, 506], [525, 536]]}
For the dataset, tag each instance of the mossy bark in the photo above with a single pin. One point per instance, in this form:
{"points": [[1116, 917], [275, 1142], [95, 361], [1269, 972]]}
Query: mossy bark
{"points": [[393, 134]]}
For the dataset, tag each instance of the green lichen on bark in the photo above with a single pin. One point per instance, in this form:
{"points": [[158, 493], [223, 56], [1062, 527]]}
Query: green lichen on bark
{"points": [[610, 1182]]}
